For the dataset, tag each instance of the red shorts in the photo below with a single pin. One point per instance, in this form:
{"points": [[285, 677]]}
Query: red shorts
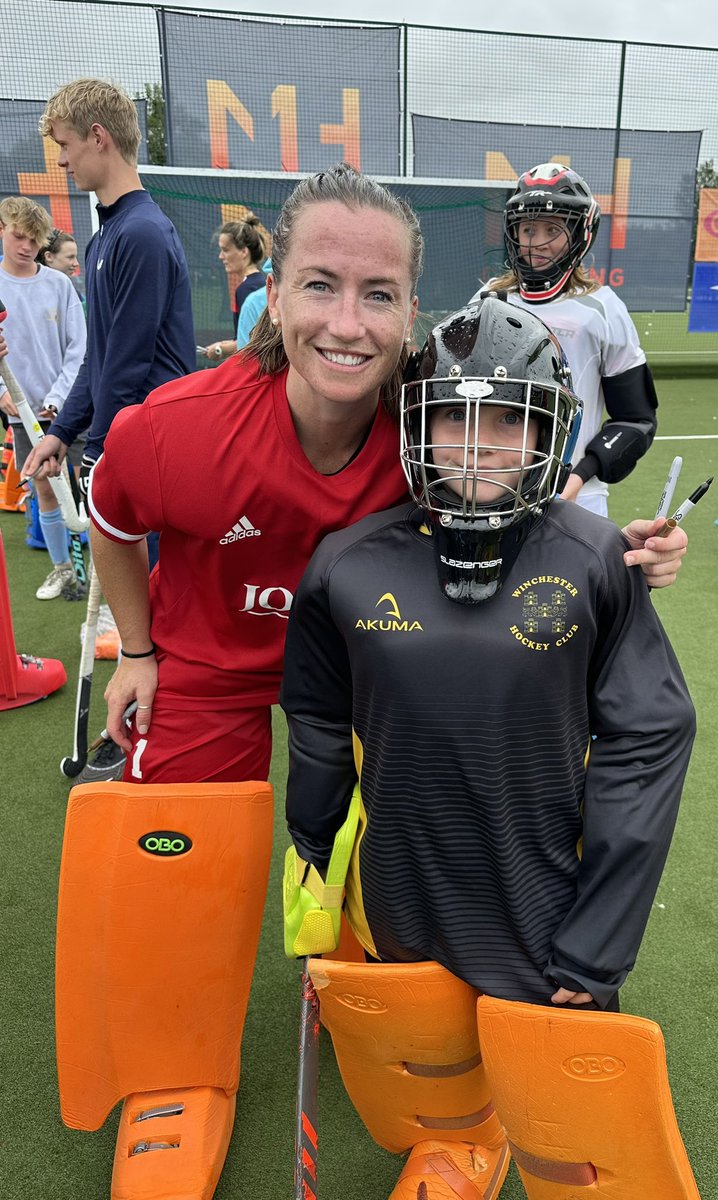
{"points": [[201, 746]]}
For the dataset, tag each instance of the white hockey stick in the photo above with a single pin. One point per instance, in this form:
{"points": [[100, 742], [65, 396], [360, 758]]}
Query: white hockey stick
{"points": [[60, 485]]}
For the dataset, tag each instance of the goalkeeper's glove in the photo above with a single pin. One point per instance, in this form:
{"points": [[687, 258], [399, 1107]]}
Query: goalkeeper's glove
{"points": [[312, 905]]}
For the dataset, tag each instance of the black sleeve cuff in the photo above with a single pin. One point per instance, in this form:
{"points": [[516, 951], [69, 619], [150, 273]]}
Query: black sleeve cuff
{"points": [[587, 468], [602, 985]]}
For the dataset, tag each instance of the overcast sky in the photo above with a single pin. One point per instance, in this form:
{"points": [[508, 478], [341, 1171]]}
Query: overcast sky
{"points": [[680, 22]]}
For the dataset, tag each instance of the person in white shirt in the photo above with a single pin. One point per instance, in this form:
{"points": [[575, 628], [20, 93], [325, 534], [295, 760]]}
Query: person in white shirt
{"points": [[550, 223]]}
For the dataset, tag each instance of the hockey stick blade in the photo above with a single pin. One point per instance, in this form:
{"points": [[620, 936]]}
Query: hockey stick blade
{"points": [[77, 557], [72, 766]]}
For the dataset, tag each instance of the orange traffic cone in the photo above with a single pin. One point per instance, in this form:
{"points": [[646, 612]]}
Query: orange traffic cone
{"points": [[23, 678], [12, 496]]}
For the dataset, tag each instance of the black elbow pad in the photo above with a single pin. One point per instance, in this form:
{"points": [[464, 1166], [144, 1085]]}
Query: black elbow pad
{"points": [[631, 402], [618, 448]]}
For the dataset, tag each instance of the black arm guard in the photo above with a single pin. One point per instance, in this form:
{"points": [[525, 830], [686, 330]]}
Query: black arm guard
{"points": [[631, 402]]}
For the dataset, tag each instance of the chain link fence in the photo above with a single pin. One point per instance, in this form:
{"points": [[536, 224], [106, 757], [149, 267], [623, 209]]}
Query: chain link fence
{"points": [[451, 116]]}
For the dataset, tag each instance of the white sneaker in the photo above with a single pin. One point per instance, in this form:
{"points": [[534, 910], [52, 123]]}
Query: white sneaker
{"points": [[58, 578]]}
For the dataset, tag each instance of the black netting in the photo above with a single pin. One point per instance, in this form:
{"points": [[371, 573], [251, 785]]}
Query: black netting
{"points": [[277, 96], [461, 224]]}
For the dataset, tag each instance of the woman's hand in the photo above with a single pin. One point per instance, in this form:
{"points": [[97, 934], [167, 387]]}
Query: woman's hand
{"points": [[134, 679], [658, 557]]}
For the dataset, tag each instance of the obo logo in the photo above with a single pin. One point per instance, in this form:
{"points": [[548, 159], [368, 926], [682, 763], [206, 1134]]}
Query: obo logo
{"points": [[165, 843], [594, 1068]]}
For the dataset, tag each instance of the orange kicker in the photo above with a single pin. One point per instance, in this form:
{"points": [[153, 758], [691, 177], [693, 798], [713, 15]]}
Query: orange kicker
{"points": [[171, 1145]]}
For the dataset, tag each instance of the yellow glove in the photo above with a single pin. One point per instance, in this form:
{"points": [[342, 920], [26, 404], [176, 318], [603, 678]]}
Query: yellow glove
{"points": [[312, 905]]}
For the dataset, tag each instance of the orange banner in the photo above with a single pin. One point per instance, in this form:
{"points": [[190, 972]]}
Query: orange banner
{"points": [[707, 232]]}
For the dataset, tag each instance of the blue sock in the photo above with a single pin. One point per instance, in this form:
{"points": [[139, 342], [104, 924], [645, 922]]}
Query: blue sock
{"points": [[55, 535]]}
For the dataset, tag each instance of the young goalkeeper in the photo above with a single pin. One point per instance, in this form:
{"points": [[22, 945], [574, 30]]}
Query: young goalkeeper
{"points": [[446, 665]]}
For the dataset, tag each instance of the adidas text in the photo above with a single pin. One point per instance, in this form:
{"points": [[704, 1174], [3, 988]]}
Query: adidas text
{"points": [[243, 528]]}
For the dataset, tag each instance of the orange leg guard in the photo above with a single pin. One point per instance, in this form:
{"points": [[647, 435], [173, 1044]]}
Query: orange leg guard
{"points": [[407, 1048], [162, 889], [585, 1101]]}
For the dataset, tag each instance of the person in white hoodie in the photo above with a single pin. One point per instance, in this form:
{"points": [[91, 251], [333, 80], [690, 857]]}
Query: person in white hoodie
{"points": [[46, 338]]}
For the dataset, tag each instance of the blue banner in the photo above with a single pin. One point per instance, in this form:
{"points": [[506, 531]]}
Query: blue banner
{"points": [[644, 182], [260, 96], [28, 167], [703, 314]]}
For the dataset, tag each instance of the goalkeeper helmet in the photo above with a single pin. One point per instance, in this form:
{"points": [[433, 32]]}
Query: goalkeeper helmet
{"points": [[496, 377], [549, 193]]}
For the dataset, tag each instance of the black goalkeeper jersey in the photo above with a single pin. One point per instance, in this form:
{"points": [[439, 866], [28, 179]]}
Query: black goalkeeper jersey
{"points": [[489, 842]]}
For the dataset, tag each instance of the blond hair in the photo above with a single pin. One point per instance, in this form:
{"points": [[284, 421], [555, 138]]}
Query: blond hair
{"points": [[580, 283], [87, 102], [32, 219], [344, 185]]}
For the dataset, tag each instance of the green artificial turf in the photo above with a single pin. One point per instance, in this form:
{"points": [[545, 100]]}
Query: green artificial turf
{"points": [[674, 981], [671, 349]]}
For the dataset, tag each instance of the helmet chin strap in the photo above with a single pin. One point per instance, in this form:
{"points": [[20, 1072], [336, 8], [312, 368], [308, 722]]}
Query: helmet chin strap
{"points": [[473, 559]]}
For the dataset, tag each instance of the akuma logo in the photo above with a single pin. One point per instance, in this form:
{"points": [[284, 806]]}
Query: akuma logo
{"points": [[392, 620]]}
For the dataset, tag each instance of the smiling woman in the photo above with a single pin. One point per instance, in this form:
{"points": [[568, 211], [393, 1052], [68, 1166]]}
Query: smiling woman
{"points": [[341, 300], [301, 440], [296, 435]]}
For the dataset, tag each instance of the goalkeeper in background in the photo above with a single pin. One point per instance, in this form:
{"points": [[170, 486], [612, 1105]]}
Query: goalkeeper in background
{"points": [[550, 223]]}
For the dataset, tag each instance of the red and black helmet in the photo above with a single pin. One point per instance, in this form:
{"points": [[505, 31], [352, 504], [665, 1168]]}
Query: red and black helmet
{"points": [[550, 191]]}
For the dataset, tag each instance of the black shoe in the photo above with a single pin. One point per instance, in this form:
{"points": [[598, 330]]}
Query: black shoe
{"points": [[108, 764]]}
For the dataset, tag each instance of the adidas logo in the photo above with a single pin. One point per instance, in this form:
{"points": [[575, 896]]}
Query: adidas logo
{"points": [[243, 528]]}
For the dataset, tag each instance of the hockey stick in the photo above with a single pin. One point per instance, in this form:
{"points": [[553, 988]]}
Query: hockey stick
{"points": [[305, 1142], [59, 484], [78, 588], [105, 736], [72, 766]]}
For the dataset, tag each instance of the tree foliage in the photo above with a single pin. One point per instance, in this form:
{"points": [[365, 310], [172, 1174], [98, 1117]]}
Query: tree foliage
{"points": [[156, 145]]}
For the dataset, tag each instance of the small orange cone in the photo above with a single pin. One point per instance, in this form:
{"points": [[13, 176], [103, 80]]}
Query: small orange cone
{"points": [[12, 496]]}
